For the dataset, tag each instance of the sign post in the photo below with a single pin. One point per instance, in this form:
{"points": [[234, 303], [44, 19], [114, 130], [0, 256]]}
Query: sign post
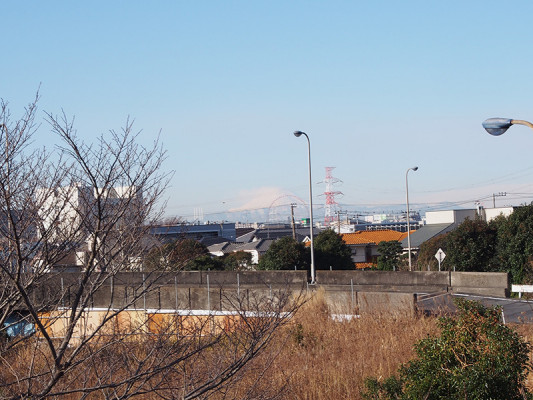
{"points": [[440, 256]]}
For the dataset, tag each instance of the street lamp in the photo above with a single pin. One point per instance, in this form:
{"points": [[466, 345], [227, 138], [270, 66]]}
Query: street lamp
{"points": [[313, 276], [498, 126], [408, 216]]}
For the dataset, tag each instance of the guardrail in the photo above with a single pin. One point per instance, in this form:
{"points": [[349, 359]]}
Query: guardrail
{"points": [[521, 289]]}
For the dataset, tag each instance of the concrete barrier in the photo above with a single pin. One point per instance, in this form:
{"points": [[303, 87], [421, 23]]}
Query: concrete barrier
{"points": [[392, 278], [182, 297], [191, 278], [482, 283], [386, 303], [389, 280], [480, 279], [364, 291], [341, 301], [254, 277]]}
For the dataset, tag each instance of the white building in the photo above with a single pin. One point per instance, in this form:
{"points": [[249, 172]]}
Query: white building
{"points": [[70, 207], [69, 214], [440, 222]]}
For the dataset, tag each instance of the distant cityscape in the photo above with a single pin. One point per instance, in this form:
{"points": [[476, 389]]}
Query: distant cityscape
{"points": [[328, 210]]}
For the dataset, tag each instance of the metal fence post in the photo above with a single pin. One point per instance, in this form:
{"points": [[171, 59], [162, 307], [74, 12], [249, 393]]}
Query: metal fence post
{"points": [[351, 286], [208, 296], [144, 293], [62, 293], [111, 288], [176, 291]]}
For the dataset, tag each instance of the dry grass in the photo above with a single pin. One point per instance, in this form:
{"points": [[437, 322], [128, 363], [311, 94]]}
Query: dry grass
{"points": [[323, 359], [316, 358]]}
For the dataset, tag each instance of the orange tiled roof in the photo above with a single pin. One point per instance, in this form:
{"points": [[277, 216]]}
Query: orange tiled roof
{"points": [[373, 237], [364, 265]]}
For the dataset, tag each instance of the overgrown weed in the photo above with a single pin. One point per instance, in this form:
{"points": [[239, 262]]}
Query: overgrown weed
{"points": [[324, 359]]}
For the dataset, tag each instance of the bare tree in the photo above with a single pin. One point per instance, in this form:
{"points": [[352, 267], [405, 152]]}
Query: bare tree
{"points": [[91, 205]]}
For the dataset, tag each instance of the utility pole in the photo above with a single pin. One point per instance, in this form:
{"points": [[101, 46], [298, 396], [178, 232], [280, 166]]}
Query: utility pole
{"points": [[292, 221], [339, 219], [494, 195]]}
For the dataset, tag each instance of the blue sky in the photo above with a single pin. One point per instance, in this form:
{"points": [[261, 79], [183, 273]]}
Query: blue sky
{"points": [[378, 86]]}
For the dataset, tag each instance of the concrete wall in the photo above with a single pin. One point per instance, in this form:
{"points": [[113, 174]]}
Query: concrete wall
{"points": [[215, 278], [188, 290], [342, 301], [184, 298], [345, 291], [489, 283], [485, 284], [482, 283], [398, 278], [385, 281]]}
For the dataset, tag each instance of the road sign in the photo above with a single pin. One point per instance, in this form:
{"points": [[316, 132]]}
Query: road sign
{"points": [[440, 255]]}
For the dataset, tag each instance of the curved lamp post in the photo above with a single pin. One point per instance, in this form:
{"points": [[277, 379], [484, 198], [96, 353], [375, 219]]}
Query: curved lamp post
{"points": [[498, 126], [408, 216], [313, 275]]}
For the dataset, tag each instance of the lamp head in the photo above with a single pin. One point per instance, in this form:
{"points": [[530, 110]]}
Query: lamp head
{"points": [[497, 126], [414, 168], [298, 133]]}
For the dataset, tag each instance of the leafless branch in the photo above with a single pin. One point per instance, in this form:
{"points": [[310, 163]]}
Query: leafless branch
{"points": [[90, 207]]}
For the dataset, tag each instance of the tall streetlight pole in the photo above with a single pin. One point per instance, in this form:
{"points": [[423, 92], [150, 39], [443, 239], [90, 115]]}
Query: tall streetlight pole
{"points": [[313, 275], [498, 126], [408, 216]]}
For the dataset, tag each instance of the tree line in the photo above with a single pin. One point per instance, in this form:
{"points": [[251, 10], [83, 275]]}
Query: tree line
{"points": [[285, 253], [505, 244]]}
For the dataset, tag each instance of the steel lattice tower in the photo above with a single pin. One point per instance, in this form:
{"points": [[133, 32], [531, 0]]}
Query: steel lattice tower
{"points": [[331, 204]]}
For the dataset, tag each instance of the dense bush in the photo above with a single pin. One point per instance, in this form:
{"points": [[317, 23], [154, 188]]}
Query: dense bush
{"points": [[515, 244], [285, 253], [177, 255], [472, 246], [475, 357], [331, 251], [426, 256], [505, 244], [389, 255], [237, 261]]}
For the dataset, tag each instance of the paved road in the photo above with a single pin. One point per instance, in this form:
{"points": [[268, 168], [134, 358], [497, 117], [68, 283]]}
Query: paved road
{"points": [[514, 310]]}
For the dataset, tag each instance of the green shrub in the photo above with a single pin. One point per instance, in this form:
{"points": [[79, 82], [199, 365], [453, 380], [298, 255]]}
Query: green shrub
{"points": [[476, 357]]}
